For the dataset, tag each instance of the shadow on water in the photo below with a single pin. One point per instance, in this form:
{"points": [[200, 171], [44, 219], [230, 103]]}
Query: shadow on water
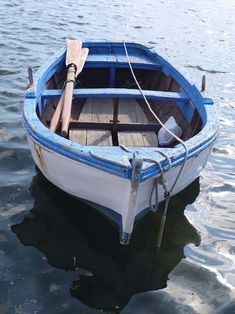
{"points": [[74, 236]]}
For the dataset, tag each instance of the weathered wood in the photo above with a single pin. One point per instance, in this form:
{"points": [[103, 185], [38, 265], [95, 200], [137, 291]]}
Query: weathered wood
{"points": [[80, 136], [168, 83], [94, 126], [77, 137], [156, 81], [77, 106], [73, 59], [115, 113], [149, 138], [48, 112], [127, 114], [120, 126], [93, 112], [73, 53], [175, 87], [84, 54], [57, 115], [68, 96], [99, 138], [101, 111]]}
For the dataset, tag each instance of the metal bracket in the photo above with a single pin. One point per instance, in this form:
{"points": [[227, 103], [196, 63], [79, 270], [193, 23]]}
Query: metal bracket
{"points": [[125, 238], [136, 172]]}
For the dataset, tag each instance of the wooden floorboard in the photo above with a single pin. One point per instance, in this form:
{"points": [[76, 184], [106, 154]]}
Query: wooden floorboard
{"points": [[48, 113], [131, 112], [101, 110], [99, 138], [127, 114], [149, 138], [94, 110]]}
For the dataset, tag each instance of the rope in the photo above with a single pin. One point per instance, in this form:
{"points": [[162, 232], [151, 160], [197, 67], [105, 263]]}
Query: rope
{"points": [[68, 81], [159, 121], [159, 180], [167, 193]]}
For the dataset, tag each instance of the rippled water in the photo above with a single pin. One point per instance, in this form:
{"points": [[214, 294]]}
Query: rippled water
{"points": [[60, 234]]}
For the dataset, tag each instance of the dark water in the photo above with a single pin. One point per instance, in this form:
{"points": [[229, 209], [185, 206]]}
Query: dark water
{"points": [[57, 255]]}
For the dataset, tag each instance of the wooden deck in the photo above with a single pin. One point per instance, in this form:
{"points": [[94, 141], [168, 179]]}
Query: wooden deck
{"points": [[101, 110]]}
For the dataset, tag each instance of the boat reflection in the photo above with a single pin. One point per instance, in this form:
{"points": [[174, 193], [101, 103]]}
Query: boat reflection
{"points": [[74, 236]]}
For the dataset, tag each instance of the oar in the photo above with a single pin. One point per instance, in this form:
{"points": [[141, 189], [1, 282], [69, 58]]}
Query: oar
{"points": [[84, 55], [73, 56], [57, 114], [66, 113]]}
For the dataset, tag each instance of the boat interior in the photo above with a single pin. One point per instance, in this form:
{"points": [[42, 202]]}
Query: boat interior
{"points": [[108, 108]]}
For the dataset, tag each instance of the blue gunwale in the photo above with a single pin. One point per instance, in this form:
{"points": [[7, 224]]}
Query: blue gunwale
{"points": [[110, 159]]}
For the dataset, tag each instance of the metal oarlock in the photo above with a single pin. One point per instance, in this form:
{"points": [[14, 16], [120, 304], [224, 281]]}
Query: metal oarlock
{"points": [[203, 88], [30, 76]]}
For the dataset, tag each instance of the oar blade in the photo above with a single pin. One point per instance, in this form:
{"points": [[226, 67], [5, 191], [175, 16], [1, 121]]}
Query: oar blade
{"points": [[83, 58], [74, 49]]}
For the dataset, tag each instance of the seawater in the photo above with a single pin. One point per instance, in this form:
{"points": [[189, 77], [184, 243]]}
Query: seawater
{"points": [[58, 255]]}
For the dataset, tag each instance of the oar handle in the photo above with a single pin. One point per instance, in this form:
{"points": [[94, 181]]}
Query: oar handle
{"points": [[68, 96]]}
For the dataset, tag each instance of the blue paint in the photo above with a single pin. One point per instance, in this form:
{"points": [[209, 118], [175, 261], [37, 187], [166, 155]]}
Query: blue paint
{"points": [[114, 163], [116, 93], [187, 109], [114, 216]]}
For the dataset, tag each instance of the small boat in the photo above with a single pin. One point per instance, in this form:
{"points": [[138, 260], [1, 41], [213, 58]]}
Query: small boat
{"points": [[116, 125]]}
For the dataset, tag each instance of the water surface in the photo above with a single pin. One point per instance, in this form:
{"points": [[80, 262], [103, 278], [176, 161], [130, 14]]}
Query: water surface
{"points": [[57, 255]]}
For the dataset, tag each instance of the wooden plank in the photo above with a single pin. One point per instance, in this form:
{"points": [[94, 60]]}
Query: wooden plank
{"points": [[127, 114], [94, 111], [149, 127], [117, 93], [101, 112], [55, 120], [76, 109], [149, 138], [80, 136], [48, 112], [115, 113], [99, 138]]}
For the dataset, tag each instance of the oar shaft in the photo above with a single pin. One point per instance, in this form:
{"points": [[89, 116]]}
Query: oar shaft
{"points": [[57, 114], [68, 96]]}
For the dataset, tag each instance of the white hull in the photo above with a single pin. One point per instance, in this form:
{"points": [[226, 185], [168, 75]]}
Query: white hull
{"points": [[108, 190]]}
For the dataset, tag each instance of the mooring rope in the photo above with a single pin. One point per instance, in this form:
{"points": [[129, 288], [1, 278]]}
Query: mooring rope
{"points": [[167, 193]]}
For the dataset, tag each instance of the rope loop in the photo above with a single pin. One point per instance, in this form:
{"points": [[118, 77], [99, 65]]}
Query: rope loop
{"points": [[68, 81]]}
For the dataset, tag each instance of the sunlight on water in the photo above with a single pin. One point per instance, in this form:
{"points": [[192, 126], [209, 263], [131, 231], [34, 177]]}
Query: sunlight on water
{"points": [[43, 275]]}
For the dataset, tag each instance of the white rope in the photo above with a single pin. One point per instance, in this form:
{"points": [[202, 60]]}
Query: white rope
{"points": [[159, 121], [167, 193]]}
